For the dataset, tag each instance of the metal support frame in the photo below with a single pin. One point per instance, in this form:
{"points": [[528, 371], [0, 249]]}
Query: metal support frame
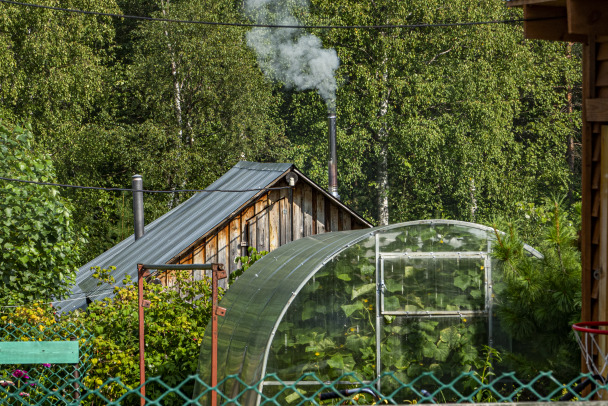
{"points": [[217, 272]]}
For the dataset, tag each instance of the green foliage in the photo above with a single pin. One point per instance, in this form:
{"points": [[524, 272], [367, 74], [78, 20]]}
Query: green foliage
{"points": [[40, 244], [177, 103], [246, 262], [174, 327], [463, 122], [470, 119], [484, 374], [541, 299]]}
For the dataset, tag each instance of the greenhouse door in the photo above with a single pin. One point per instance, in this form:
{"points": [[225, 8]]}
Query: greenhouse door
{"points": [[426, 302]]}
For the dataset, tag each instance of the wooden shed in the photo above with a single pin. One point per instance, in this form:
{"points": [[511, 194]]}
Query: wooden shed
{"points": [[585, 21], [252, 205], [272, 218]]}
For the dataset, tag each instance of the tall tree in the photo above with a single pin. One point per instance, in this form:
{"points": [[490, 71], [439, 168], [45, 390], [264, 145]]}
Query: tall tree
{"points": [[55, 67], [58, 73], [199, 87], [467, 120], [40, 245]]}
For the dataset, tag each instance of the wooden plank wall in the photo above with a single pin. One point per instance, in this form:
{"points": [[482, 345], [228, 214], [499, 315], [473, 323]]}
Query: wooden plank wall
{"points": [[274, 219], [594, 233], [585, 21]]}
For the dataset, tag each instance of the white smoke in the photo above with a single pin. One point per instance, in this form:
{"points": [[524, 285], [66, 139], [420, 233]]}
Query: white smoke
{"points": [[290, 55]]}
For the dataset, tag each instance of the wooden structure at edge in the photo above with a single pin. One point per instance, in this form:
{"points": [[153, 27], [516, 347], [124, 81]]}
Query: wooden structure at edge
{"points": [[269, 221], [585, 21]]}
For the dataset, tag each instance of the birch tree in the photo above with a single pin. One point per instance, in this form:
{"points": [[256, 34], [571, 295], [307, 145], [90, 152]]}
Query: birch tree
{"points": [[459, 115]]}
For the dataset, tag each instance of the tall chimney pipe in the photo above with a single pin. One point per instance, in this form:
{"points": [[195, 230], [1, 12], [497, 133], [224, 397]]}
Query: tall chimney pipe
{"points": [[333, 160], [138, 206]]}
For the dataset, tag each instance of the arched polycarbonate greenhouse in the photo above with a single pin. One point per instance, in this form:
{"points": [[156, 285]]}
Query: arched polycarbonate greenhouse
{"points": [[405, 299]]}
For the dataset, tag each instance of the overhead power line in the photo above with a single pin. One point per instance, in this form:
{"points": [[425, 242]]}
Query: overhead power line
{"points": [[117, 189], [253, 25]]}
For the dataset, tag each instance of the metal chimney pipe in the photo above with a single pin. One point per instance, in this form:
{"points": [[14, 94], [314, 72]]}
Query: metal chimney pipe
{"points": [[333, 160], [138, 206]]}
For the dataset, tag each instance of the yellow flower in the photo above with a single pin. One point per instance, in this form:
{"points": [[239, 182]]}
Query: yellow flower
{"points": [[317, 354]]}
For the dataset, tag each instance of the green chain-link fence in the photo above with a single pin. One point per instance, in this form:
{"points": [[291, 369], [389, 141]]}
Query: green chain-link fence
{"points": [[507, 388], [62, 384], [43, 382]]}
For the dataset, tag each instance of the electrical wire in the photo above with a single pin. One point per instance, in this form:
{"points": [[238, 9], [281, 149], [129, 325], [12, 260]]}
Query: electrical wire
{"points": [[74, 297], [116, 189], [254, 25]]}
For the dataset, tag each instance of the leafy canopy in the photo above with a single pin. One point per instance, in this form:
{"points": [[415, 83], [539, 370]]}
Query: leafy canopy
{"points": [[40, 246]]}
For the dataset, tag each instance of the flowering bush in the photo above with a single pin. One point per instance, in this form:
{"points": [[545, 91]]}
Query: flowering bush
{"points": [[174, 326]]}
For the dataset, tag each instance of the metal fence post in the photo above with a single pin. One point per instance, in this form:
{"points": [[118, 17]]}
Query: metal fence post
{"points": [[218, 272], [140, 312]]}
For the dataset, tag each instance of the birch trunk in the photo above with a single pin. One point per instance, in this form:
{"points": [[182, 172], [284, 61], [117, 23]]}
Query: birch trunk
{"points": [[383, 213], [177, 86]]}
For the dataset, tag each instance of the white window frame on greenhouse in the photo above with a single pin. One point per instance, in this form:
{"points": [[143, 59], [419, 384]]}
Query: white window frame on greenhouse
{"points": [[381, 287]]}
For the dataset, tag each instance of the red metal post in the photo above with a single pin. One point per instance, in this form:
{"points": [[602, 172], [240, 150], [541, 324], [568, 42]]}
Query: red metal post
{"points": [[140, 308], [217, 273], [214, 333]]}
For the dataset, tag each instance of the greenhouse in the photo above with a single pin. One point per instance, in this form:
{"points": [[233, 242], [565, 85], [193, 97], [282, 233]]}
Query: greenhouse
{"points": [[405, 299]]}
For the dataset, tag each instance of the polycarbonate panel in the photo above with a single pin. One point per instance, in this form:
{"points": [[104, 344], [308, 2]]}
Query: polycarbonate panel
{"points": [[433, 284], [434, 236], [330, 322], [257, 300], [446, 346]]}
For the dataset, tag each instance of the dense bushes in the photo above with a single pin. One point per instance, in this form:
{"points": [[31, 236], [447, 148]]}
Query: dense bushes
{"points": [[542, 298], [40, 244], [174, 326]]}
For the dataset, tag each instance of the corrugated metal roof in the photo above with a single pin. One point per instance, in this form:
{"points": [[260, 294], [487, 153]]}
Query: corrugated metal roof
{"points": [[176, 230]]}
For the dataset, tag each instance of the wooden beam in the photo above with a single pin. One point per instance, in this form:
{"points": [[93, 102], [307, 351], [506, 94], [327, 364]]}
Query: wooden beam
{"points": [[603, 280], [519, 3], [551, 29], [602, 74], [596, 110], [602, 51], [587, 252], [38, 352], [588, 17]]}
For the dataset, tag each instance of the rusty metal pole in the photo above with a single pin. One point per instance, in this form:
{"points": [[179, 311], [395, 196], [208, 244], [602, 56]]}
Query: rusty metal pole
{"points": [[214, 334], [217, 272], [138, 223], [140, 310]]}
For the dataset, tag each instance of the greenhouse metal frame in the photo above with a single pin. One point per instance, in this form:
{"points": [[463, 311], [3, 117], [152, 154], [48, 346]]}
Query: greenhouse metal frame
{"points": [[270, 293]]}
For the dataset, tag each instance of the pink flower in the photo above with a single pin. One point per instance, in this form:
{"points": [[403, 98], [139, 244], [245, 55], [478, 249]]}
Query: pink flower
{"points": [[46, 365], [17, 373], [24, 394], [6, 383]]}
